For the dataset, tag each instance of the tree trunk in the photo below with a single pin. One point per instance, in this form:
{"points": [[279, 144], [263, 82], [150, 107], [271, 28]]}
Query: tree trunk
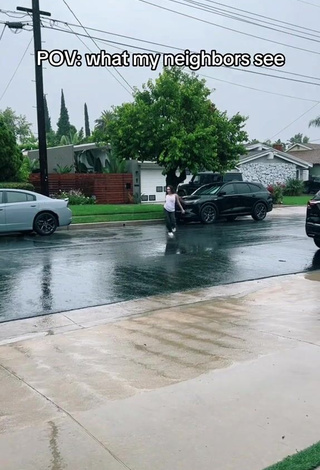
{"points": [[173, 180]]}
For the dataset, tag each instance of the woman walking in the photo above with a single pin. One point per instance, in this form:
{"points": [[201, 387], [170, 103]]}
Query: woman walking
{"points": [[170, 208]]}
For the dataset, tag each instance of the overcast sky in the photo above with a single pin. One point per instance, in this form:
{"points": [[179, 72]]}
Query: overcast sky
{"points": [[268, 114]]}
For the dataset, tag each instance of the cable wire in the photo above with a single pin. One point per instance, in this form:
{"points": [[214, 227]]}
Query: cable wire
{"points": [[54, 21], [16, 70], [228, 29], [159, 52], [117, 71], [297, 119], [2, 32], [245, 19]]}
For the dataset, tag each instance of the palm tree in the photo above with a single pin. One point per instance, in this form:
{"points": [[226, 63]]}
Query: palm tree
{"points": [[103, 121], [74, 138], [315, 122]]}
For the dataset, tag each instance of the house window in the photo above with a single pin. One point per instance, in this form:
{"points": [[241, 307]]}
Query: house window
{"points": [[159, 189], [144, 197], [152, 197]]}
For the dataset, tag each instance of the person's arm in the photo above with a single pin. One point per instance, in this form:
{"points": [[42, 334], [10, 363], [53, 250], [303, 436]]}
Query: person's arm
{"points": [[179, 203]]}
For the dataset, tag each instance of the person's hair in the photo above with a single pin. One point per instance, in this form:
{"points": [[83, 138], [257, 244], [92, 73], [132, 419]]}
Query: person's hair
{"points": [[171, 188]]}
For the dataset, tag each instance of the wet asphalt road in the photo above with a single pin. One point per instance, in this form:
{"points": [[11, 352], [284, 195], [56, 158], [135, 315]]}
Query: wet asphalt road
{"points": [[75, 269]]}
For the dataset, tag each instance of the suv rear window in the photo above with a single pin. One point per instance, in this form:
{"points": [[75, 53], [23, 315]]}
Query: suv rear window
{"points": [[256, 187]]}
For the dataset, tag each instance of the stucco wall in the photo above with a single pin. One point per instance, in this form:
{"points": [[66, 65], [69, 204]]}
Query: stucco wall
{"points": [[268, 173]]}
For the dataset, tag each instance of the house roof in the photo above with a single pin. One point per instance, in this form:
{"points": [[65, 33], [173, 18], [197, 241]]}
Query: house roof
{"points": [[309, 152], [256, 151]]}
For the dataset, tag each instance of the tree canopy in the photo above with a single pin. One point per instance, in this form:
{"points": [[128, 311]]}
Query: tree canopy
{"points": [[173, 122], [10, 154], [299, 139], [17, 124]]}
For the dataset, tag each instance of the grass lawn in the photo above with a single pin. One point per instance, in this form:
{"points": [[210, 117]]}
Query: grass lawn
{"points": [[115, 213], [297, 200], [308, 459]]}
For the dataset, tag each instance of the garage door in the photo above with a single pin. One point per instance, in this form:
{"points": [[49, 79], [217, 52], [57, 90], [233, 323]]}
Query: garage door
{"points": [[153, 185]]}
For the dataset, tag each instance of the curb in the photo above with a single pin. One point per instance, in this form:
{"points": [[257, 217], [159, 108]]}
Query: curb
{"points": [[122, 223]]}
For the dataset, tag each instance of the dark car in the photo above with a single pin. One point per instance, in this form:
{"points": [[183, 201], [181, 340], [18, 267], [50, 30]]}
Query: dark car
{"points": [[312, 186], [206, 177], [313, 219], [229, 200]]}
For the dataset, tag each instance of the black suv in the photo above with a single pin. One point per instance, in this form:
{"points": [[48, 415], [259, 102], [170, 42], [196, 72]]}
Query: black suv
{"points": [[313, 219], [206, 177], [228, 200]]}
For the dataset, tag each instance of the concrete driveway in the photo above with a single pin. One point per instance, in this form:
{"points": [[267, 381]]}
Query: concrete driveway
{"points": [[221, 378]]}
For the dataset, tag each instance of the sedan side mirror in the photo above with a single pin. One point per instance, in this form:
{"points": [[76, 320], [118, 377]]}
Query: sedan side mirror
{"points": [[222, 193]]}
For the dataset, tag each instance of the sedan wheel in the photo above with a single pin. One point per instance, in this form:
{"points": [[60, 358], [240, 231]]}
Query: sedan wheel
{"points": [[208, 214], [45, 223], [259, 211], [317, 242]]}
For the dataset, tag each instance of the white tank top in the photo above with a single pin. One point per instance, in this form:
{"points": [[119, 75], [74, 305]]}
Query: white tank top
{"points": [[170, 204]]}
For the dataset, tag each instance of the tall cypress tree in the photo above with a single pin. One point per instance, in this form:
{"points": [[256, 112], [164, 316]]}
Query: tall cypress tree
{"points": [[64, 126], [47, 116], [86, 121]]}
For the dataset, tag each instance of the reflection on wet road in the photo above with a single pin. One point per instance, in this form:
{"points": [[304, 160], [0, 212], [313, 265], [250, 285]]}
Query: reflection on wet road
{"points": [[75, 269]]}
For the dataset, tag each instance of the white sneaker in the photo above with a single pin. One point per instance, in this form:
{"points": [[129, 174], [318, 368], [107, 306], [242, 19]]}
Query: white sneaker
{"points": [[170, 234], [174, 230]]}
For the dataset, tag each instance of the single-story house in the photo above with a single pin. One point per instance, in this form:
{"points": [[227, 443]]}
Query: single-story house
{"points": [[309, 153], [270, 165]]}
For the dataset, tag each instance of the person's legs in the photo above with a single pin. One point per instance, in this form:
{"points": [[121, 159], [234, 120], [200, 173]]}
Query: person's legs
{"points": [[168, 220], [173, 221]]}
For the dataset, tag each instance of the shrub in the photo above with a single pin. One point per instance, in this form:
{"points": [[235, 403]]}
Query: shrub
{"points": [[293, 187], [24, 172], [277, 192], [75, 196], [26, 186]]}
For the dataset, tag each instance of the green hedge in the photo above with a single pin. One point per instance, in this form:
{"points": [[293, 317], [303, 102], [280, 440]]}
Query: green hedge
{"points": [[26, 186]]}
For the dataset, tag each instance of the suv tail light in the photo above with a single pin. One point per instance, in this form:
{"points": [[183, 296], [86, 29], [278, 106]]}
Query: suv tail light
{"points": [[311, 203]]}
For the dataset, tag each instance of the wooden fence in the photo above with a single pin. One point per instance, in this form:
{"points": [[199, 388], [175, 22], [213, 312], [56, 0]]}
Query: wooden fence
{"points": [[107, 188]]}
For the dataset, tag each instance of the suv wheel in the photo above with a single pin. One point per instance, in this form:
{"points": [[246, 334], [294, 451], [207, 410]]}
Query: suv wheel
{"points": [[208, 214], [317, 242], [259, 211], [45, 223]]}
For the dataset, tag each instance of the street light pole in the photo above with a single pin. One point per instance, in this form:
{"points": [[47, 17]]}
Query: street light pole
{"points": [[40, 95]]}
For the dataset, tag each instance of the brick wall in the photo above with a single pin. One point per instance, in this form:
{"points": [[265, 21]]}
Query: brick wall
{"points": [[108, 188]]}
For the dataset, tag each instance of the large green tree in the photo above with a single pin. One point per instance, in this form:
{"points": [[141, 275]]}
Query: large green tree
{"points": [[10, 154], [18, 124], [63, 124], [173, 122]]}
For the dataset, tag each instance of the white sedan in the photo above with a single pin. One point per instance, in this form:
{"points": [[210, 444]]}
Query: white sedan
{"points": [[26, 211]]}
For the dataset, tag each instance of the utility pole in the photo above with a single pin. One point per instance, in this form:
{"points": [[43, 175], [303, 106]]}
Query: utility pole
{"points": [[40, 94]]}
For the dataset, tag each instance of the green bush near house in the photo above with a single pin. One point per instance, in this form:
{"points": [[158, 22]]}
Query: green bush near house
{"points": [[22, 185], [293, 187]]}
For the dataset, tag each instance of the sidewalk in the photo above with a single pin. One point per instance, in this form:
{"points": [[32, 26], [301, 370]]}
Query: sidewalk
{"points": [[225, 378], [278, 211]]}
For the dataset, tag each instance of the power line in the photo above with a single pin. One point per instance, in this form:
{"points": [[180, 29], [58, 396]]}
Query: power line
{"points": [[159, 52], [297, 119], [243, 18], [2, 32], [257, 89], [227, 28], [75, 16], [54, 21], [16, 70], [257, 15], [308, 3]]}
